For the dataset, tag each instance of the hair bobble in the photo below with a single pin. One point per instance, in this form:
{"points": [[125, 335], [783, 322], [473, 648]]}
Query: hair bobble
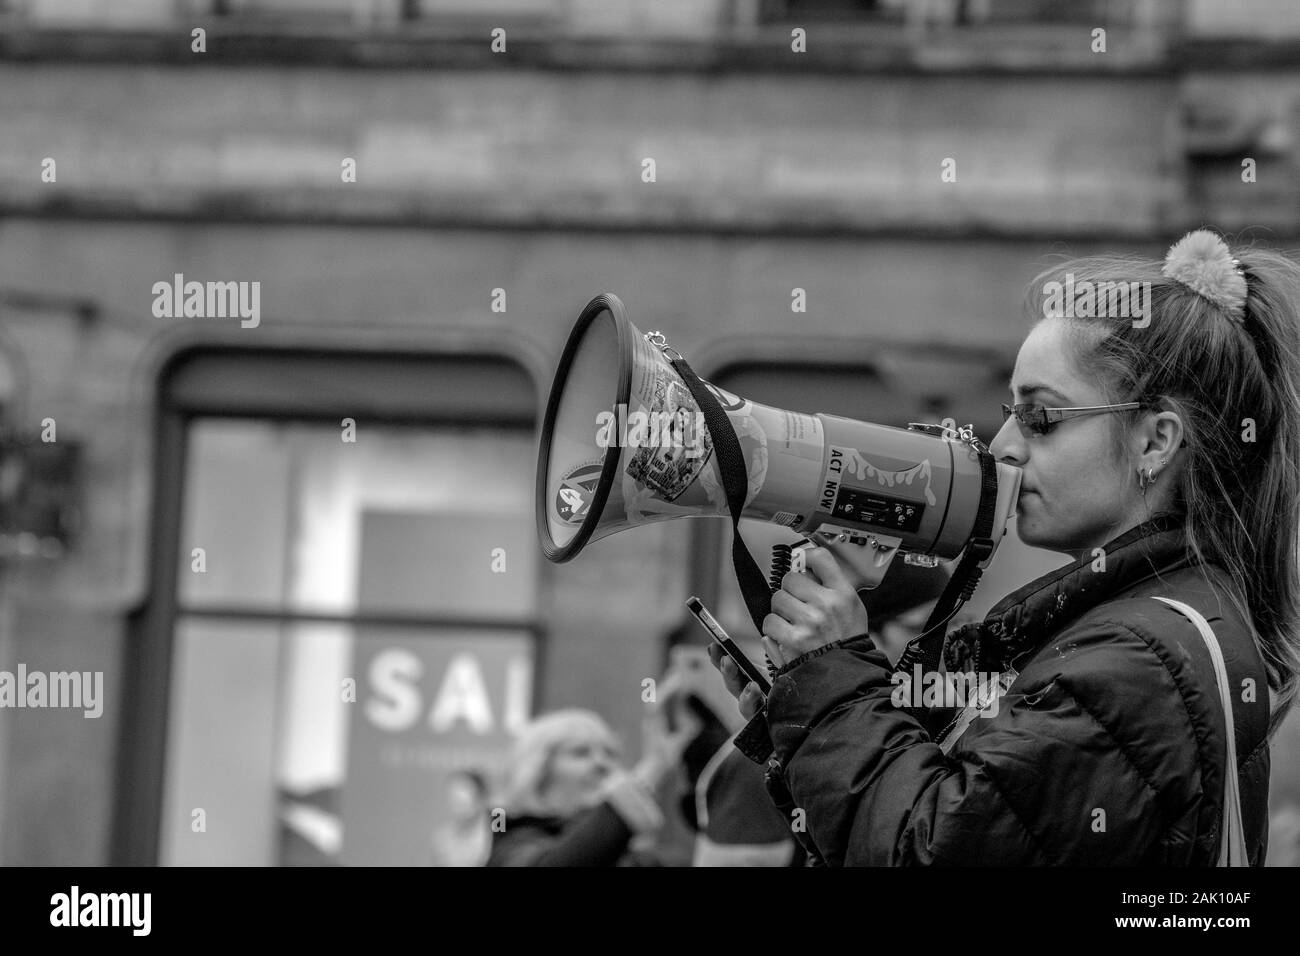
{"points": [[1202, 262]]}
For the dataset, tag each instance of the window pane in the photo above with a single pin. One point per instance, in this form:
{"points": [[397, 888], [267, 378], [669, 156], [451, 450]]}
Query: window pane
{"points": [[233, 545], [302, 744], [279, 511], [324, 741], [219, 783], [428, 739], [474, 564]]}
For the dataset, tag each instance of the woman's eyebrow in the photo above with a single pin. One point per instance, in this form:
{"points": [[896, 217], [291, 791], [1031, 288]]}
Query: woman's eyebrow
{"points": [[1027, 390]]}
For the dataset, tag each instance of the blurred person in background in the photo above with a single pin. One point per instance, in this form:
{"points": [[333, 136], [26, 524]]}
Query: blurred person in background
{"points": [[463, 837], [1110, 746], [569, 801]]}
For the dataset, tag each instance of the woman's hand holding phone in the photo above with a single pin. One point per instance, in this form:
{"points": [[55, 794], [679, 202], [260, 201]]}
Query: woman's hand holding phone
{"points": [[739, 686], [813, 608]]}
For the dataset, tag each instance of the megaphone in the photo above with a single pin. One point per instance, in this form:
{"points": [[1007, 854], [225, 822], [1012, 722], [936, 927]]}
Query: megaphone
{"points": [[624, 443]]}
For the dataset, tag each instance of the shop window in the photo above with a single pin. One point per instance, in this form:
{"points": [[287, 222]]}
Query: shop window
{"points": [[353, 624]]}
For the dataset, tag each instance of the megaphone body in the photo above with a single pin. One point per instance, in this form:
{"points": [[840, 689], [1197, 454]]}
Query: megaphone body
{"points": [[624, 444]]}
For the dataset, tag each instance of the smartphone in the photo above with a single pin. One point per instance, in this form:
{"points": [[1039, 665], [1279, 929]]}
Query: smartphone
{"points": [[723, 639]]}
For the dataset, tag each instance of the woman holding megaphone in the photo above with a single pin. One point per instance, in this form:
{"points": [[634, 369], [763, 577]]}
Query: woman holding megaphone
{"points": [[1134, 691]]}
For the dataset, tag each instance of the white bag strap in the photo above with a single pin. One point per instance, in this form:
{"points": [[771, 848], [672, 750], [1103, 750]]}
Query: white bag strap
{"points": [[1232, 851]]}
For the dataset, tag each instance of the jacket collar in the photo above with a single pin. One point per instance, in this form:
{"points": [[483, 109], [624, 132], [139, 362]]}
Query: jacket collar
{"points": [[1022, 620]]}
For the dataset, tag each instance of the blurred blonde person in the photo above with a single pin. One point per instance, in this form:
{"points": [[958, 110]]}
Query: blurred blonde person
{"points": [[570, 802]]}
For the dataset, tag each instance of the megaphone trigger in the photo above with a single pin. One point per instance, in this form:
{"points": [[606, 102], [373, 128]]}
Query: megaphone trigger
{"points": [[799, 552], [864, 558], [799, 556]]}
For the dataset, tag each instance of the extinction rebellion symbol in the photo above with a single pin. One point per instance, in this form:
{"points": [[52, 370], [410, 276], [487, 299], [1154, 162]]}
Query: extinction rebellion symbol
{"points": [[576, 491]]}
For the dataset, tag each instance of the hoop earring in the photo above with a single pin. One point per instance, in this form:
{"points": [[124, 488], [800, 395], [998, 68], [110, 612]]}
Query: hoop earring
{"points": [[1145, 481]]}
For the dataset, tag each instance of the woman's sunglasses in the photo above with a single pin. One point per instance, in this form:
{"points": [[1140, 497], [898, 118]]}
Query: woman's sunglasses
{"points": [[1040, 419]]}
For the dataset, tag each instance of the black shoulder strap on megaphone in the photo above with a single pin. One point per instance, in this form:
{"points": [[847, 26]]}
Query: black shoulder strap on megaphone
{"points": [[735, 482], [927, 648]]}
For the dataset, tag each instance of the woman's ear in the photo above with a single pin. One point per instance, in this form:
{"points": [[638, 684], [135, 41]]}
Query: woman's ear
{"points": [[1160, 435]]}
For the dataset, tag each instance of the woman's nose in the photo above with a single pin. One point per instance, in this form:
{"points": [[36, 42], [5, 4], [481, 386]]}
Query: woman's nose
{"points": [[1008, 444]]}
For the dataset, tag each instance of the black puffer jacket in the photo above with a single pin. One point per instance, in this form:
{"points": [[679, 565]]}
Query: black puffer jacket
{"points": [[1108, 749]]}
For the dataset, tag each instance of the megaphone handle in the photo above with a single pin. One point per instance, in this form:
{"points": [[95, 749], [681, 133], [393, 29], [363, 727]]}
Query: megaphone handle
{"points": [[782, 563], [735, 482]]}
